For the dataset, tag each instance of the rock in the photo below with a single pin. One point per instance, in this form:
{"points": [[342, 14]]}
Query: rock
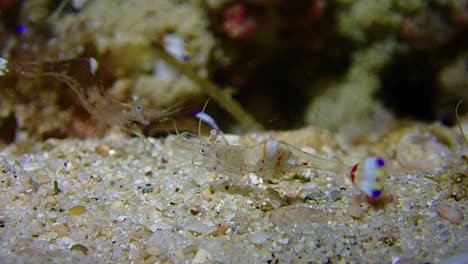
{"points": [[355, 211], [297, 214], [77, 210], [335, 195], [450, 213], [202, 256], [81, 248]]}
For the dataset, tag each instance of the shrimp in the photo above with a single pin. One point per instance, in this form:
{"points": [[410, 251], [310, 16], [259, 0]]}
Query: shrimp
{"points": [[103, 108], [273, 159]]}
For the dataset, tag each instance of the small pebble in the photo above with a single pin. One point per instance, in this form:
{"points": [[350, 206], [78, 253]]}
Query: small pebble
{"points": [[213, 175], [51, 201], [154, 251], [157, 189], [81, 248], [77, 210], [61, 230], [450, 213], [355, 211], [4, 183], [221, 230], [202, 256], [102, 150], [314, 196], [206, 194], [116, 205], [335, 195], [148, 188], [260, 238], [56, 190], [43, 179], [194, 211]]}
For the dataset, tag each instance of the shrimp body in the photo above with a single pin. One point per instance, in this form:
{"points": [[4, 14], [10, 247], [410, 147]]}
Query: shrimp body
{"points": [[270, 159], [273, 160]]}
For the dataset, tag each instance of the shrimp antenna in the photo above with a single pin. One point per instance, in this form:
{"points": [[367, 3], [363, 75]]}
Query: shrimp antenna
{"points": [[215, 131], [175, 126], [200, 119], [58, 10]]}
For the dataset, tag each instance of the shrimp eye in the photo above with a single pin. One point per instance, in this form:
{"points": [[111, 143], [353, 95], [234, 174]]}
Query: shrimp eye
{"points": [[139, 108], [202, 151]]}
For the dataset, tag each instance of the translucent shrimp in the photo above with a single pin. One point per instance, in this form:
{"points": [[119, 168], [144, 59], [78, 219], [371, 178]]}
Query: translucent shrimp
{"points": [[274, 159], [103, 108]]}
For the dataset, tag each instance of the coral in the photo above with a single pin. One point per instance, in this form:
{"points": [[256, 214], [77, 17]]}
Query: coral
{"points": [[355, 91], [360, 20], [242, 43], [404, 75], [144, 21], [237, 23], [423, 33], [127, 47], [127, 44]]}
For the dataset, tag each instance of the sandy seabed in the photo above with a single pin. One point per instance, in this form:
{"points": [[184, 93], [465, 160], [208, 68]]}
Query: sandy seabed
{"points": [[143, 201]]}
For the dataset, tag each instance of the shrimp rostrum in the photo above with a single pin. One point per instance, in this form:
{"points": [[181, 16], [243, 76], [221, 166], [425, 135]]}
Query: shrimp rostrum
{"points": [[274, 160]]}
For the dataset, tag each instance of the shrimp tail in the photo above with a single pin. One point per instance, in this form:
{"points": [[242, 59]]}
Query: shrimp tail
{"points": [[368, 176]]}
